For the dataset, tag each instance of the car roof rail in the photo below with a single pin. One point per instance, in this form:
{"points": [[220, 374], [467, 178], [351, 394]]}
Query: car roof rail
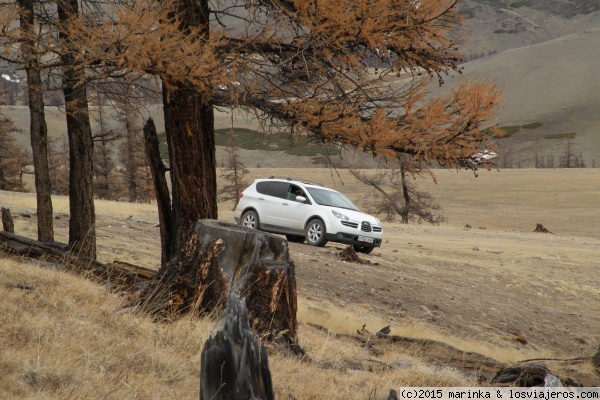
{"points": [[297, 180]]}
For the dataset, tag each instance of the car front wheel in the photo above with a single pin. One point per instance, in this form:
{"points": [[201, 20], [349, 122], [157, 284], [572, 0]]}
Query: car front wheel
{"points": [[250, 220], [315, 233]]}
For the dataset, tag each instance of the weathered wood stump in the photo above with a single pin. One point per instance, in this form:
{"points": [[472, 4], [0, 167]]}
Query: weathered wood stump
{"points": [[7, 221], [541, 229], [349, 255], [221, 259], [233, 364]]}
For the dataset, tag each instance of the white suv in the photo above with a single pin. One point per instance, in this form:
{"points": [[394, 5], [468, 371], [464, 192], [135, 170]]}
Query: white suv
{"points": [[303, 210]]}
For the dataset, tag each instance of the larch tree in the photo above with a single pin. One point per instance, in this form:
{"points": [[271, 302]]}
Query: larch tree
{"points": [[82, 221], [20, 45], [234, 174]]}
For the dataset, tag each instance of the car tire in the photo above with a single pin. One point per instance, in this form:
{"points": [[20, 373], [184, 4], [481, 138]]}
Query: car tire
{"points": [[315, 233], [250, 220], [364, 249], [295, 238]]}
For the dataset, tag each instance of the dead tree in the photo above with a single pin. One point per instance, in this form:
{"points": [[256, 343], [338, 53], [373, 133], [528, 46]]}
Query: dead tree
{"points": [[161, 190], [233, 364], [219, 260]]}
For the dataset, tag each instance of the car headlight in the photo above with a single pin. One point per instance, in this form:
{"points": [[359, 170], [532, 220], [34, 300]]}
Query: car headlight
{"points": [[339, 215]]}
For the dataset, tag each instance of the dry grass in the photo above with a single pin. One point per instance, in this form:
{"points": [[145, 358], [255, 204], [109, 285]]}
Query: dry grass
{"points": [[63, 337]]}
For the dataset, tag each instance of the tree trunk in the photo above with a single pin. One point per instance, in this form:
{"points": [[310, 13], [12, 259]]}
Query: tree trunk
{"points": [[7, 221], [38, 129], [163, 200], [221, 259], [405, 214], [189, 125], [82, 223], [233, 364]]}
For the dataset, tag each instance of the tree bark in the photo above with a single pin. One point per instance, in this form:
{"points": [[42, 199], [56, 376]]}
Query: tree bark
{"points": [[161, 190], [189, 125], [221, 259], [233, 364], [82, 223], [37, 128]]}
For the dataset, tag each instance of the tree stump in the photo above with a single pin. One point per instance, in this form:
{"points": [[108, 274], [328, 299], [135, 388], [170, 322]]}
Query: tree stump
{"points": [[221, 259], [541, 229], [233, 364], [7, 221], [349, 255]]}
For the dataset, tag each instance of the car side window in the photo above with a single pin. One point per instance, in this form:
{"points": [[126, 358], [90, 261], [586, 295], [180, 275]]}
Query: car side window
{"points": [[276, 189], [296, 191], [262, 187]]}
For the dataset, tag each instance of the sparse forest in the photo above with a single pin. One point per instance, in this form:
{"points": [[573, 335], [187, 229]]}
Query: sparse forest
{"points": [[296, 64]]}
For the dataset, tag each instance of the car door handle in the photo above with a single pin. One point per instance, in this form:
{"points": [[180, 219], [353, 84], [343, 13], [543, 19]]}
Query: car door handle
{"points": [[285, 204], [261, 198]]}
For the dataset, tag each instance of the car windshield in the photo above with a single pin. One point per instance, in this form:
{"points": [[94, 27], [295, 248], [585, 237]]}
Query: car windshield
{"points": [[330, 198]]}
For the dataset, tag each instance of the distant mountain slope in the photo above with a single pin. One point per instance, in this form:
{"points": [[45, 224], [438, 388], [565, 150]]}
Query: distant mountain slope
{"points": [[496, 25], [552, 88], [546, 55]]}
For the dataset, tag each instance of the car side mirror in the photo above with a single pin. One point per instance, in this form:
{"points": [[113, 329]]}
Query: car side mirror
{"points": [[301, 199]]}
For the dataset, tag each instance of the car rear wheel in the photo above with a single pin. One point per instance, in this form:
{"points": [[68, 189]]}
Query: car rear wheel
{"points": [[363, 249], [250, 220], [315, 233]]}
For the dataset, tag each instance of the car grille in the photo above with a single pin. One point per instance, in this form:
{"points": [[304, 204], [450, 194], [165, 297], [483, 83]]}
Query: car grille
{"points": [[350, 224], [376, 229], [365, 226]]}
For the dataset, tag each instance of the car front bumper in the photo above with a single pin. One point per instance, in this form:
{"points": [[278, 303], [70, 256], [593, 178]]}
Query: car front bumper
{"points": [[350, 238]]}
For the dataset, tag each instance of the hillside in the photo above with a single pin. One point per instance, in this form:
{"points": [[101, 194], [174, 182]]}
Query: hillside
{"points": [[550, 93], [497, 25], [540, 51]]}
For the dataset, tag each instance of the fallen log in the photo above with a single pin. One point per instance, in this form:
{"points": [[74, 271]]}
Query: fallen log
{"points": [[233, 364], [118, 273], [221, 259]]}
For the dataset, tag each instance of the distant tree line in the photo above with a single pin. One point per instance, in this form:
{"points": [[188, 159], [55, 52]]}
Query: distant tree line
{"points": [[568, 159], [121, 170]]}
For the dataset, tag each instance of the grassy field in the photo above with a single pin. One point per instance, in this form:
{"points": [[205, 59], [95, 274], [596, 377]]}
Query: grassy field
{"points": [[495, 288]]}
